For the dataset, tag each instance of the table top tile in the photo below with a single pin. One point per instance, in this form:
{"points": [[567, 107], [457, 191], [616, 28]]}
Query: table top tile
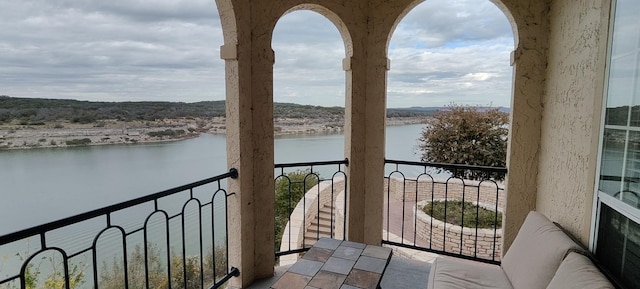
{"points": [[338, 265], [371, 264], [353, 244], [346, 252], [291, 281], [327, 243], [377, 252], [318, 254], [306, 267], [363, 279], [327, 280]]}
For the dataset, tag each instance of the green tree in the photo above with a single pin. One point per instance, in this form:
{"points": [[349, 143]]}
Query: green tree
{"points": [[468, 135], [290, 188], [52, 277]]}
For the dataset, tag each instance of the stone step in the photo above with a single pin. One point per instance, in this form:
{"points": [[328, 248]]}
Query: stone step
{"points": [[323, 223]]}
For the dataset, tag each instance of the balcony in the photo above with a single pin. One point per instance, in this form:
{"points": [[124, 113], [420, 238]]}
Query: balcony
{"points": [[179, 238]]}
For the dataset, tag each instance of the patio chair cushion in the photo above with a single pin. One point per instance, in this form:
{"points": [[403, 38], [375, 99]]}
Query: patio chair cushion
{"points": [[450, 273], [536, 253], [578, 272]]}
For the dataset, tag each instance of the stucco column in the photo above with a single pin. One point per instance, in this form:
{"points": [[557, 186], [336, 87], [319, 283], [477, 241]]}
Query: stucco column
{"points": [[364, 141], [249, 110], [354, 142], [529, 62]]}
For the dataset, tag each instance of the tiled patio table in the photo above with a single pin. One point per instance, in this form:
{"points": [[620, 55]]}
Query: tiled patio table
{"points": [[337, 264]]}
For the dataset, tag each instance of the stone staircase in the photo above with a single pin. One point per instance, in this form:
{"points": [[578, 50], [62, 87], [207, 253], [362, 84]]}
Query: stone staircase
{"points": [[320, 226]]}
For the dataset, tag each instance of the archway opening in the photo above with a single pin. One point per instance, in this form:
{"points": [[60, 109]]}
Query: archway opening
{"points": [[448, 98], [309, 98], [309, 88]]}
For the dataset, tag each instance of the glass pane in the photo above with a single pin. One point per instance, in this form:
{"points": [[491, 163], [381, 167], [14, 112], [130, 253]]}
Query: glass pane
{"points": [[619, 246], [631, 193], [625, 34], [620, 90], [612, 160]]}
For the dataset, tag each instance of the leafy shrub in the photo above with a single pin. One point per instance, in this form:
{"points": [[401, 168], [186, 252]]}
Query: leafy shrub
{"points": [[485, 218], [468, 135]]}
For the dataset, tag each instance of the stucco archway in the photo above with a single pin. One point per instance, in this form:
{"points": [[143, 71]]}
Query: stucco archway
{"points": [[525, 117]]}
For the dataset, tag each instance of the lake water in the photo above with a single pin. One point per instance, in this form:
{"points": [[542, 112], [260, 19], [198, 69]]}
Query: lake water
{"points": [[43, 185]]}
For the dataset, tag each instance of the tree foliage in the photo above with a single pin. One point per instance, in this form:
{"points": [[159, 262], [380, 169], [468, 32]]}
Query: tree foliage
{"points": [[468, 135], [33, 111]]}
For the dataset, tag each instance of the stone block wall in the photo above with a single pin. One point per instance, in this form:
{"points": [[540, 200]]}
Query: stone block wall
{"points": [[486, 244], [485, 193]]}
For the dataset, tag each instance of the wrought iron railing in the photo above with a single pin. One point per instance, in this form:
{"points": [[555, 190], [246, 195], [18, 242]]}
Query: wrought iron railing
{"points": [[310, 204], [424, 204], [172, 239]]}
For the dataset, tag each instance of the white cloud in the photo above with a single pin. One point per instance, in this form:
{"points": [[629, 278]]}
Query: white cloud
{"points": [[442, 51], [445, 51]]}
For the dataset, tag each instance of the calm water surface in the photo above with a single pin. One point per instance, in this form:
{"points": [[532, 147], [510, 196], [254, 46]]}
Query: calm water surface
{"points": [[42, 185]]}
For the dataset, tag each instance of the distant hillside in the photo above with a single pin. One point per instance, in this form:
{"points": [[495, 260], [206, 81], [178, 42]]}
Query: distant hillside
{"points": [[436, 108], [38, 110]]}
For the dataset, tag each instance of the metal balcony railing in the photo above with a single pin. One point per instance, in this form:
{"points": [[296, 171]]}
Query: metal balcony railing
{"points": [[310, 204], [172, 239], [424, 205]]}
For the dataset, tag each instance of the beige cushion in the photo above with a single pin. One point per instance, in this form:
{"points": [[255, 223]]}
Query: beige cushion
{"points": [[450, 273], [577, 272], [536, 253]]}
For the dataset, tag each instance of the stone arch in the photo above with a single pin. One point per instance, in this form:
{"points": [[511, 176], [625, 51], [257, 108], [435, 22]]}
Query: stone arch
{"points": [[505, 10], [228, 21], [331, 16]]}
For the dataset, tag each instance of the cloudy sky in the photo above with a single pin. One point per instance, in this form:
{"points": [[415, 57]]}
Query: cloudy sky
{"points": [[443, 51]]}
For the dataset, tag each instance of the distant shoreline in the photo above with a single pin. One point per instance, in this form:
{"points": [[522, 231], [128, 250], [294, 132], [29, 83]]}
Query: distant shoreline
{"points": [[14, 136]]}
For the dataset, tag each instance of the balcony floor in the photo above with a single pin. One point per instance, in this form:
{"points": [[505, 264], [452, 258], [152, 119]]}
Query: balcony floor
{"points": [[400, 273]]}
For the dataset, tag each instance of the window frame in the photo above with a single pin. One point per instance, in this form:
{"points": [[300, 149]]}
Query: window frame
{"points": [[601, 197]]}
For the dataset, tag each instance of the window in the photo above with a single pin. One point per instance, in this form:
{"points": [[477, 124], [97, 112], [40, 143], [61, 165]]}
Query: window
{"points": [[618, 230]]}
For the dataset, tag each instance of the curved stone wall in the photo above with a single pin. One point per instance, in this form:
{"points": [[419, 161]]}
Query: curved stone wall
{"points": [[448, 237], [427, 188], [486, 243]]}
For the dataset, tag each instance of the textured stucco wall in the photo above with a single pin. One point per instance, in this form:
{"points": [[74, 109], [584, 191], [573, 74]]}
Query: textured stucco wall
{"points": [[571, 115]]}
